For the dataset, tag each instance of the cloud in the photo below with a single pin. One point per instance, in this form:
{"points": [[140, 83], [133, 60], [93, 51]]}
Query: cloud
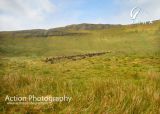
{"points": [[18, 14]]}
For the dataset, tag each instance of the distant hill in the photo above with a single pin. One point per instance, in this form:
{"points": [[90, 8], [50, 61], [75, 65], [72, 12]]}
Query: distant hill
{"points": [[63, 31], [86, 26]]}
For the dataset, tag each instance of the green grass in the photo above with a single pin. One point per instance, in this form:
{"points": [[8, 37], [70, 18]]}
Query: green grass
{"points": [[125, 81]]}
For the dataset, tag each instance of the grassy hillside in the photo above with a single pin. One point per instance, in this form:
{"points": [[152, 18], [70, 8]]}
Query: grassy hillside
{"points": [[135, 39], [124, 81]]}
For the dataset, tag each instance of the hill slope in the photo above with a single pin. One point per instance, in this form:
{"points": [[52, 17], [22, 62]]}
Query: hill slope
{"points": [[73, 39], [69, 30]]}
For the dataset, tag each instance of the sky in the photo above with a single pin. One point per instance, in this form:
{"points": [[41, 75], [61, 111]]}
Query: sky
{"points": [[45, 14]]}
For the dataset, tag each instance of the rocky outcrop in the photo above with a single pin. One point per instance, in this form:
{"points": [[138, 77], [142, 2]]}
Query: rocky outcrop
{"points": [[53, 60]]}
